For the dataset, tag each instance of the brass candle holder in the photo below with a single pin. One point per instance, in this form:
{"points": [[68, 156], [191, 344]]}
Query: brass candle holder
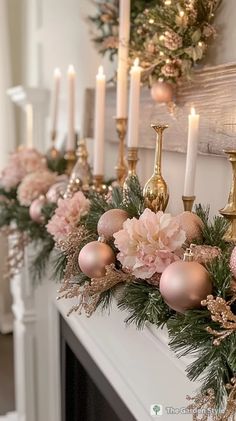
{"points": [[229, 211], [53, 153], [155, 191], [98, 185], [70, 157], [121, 167], [132, 158], [188, 202]]}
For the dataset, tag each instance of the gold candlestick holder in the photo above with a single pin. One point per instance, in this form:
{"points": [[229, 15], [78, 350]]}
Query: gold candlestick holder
{"points": [[229, 211], [53, 152], [70, 157], [98, 185], [121, 167], [132, 158], [155, 191], [188, 202]]}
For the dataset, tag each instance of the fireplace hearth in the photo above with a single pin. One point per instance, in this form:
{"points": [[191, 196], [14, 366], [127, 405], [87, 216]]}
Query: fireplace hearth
{"points": [[86, 394]]}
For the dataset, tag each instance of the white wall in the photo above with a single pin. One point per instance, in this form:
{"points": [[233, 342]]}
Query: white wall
{"points": [[57, 34]]}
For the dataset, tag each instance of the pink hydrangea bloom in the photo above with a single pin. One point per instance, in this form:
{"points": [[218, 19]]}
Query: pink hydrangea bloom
{"points": [[67, 215], [147, 245], [34, 185], [21, 163]]}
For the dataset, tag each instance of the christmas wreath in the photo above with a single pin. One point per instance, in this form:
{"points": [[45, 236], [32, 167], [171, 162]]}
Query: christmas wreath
{"points": [[169, 37]]}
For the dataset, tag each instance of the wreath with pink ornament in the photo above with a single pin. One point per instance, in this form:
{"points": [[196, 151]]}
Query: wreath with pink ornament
{"points": [[169, 37]]}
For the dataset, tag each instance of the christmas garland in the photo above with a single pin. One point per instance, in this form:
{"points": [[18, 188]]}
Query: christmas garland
{"points": [[169, 37], [205, 329], [114, 248]]}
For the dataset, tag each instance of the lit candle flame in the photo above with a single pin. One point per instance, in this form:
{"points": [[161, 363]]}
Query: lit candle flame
{"points": [[193, 112], [100, 71], [136, 62], [57, 73], [71, 70]]}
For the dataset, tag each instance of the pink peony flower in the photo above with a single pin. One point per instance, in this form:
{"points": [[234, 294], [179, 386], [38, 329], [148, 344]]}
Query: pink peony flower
{"points": [[21, 163], [67, 215], [148, 245], [34, 185]]}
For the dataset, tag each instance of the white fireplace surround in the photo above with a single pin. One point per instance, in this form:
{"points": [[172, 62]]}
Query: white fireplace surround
{"points": [[138, 364]]}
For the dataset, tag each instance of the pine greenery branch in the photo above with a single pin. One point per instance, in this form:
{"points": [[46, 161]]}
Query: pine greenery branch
{"points": [[221, 276], [11, 194], [39, 263], [59, 262], [213, 231], [57, 165], [134, 200], [145, 304]]}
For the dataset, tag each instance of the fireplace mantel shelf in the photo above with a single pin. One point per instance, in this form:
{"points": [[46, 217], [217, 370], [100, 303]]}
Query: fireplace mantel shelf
{"points": [[138, 364]]}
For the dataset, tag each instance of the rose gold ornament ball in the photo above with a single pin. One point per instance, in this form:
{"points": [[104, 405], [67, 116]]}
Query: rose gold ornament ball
{"points": [[94, 257], [111, 222], [35, 209], [162, 92], [56, 190], [191, 224], [183, 285]]}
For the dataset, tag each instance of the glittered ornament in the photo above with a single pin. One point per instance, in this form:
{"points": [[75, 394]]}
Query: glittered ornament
{"points": [[56, 190], [232, 262], [35, 209], [184, 284], [205, 254], [111, 222], [191, 224], [162, 92], [94, 257]]}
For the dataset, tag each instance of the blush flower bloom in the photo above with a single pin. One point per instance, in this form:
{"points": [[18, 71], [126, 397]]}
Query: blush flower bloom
{"points": [[34, 185], [149, 244], [21, 163], [67, 215]]}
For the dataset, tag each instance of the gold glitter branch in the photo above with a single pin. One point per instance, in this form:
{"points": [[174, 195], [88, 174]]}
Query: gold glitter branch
{"points": [[89, 294], [203, 406], [221, 313]]}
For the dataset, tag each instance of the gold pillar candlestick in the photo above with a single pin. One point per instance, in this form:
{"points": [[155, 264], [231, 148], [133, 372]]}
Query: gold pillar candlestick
{"points": [[121, 167], [229, 211], [188, 202], [98, 185], [132, 158], [53, 152], [155, 191]]}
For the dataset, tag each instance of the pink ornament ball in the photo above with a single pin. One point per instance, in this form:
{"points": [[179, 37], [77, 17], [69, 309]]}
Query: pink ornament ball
{"points": [[35, 209], [183, 285], [56, 191], [94, 257], [111, 222], [191, 224], [162, 92], [232, 262]]}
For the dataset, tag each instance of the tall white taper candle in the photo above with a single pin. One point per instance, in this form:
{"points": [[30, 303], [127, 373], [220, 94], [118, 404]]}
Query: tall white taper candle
{"points": [[99, 127], [191, 159], [29, 125], [134, 105], [123, 52], [70, 145], [55, 99]]}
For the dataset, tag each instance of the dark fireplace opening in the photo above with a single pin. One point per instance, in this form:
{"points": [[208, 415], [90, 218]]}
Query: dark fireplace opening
{"points": [[86, 394]]}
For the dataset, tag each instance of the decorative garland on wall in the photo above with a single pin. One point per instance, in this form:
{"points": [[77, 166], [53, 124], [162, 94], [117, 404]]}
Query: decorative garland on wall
{"points": [[169, 37]]}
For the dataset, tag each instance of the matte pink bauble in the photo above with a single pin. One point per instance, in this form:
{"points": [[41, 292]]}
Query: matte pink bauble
{"points": [[56, 191], [35, 209], [94, 257], [191, 224], [232, 262], [162, 92], [183, 285], [111, 222]]}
